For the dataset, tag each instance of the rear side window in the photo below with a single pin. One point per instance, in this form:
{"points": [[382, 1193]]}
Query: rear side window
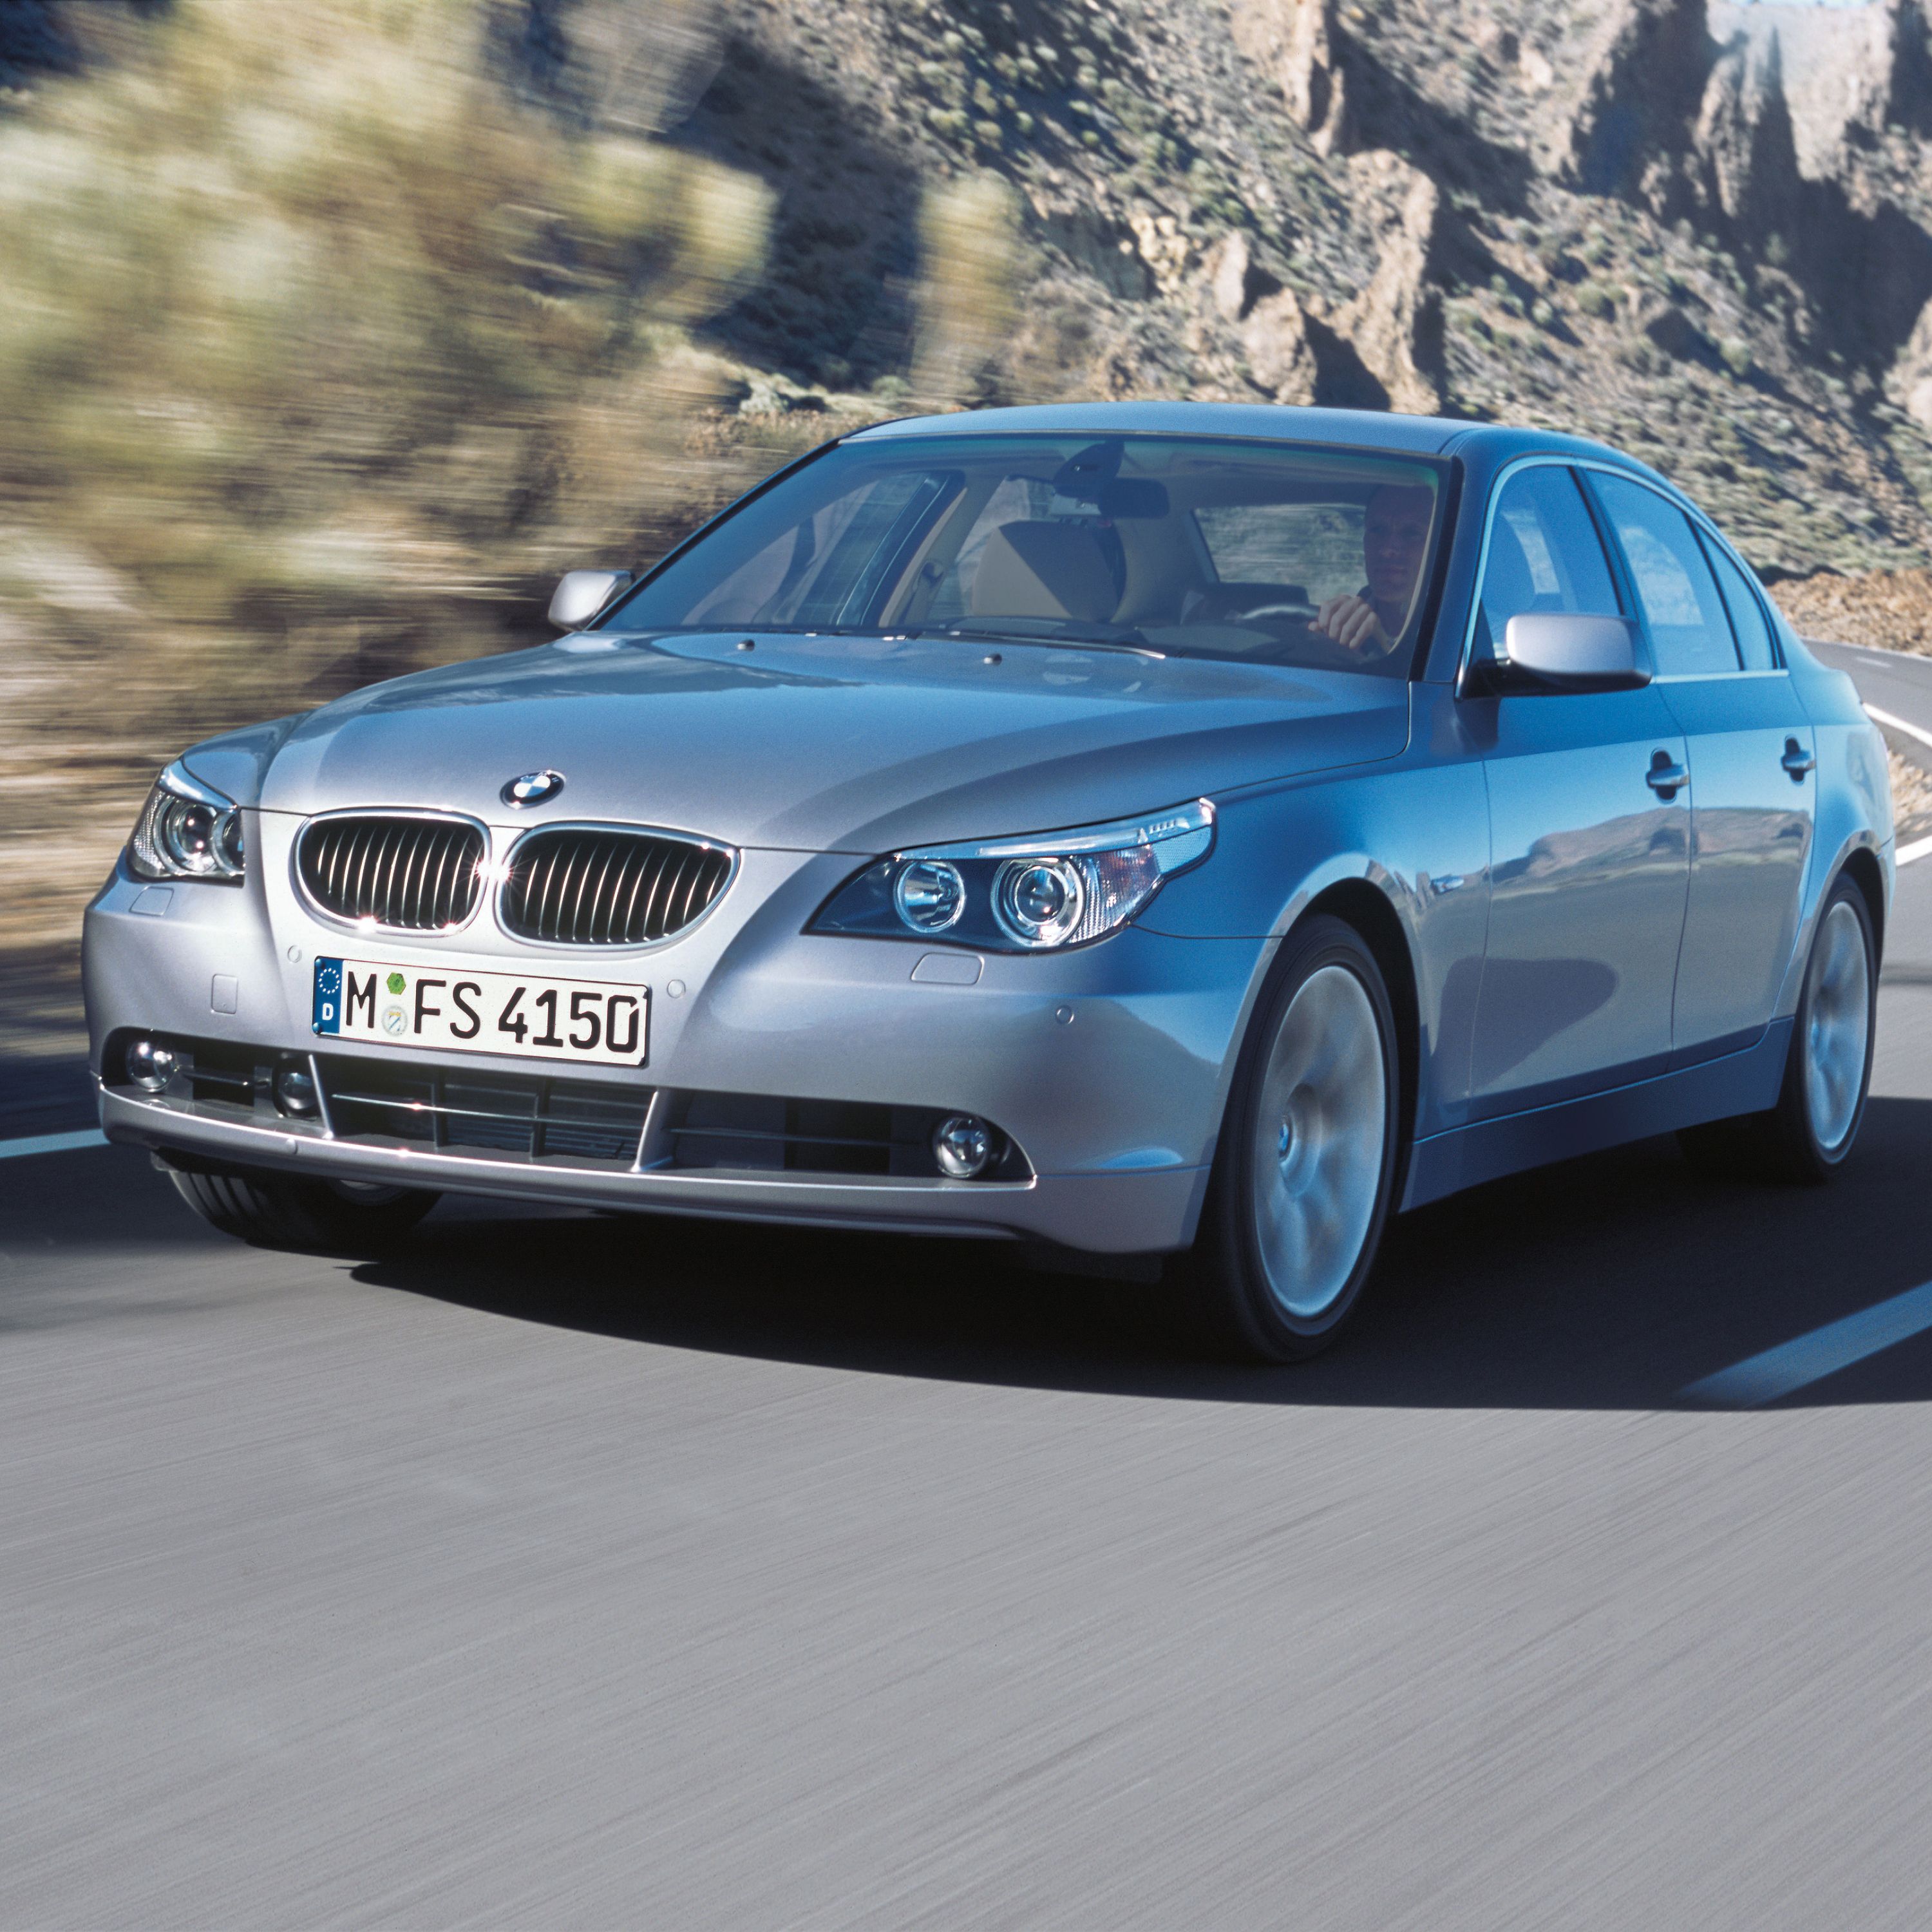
{"points": [[1747, 617], [1544, 555], [1689, 632]]}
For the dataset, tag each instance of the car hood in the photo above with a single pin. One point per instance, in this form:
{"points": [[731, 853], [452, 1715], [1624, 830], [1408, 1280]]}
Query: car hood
{"points": [[817, 744]]}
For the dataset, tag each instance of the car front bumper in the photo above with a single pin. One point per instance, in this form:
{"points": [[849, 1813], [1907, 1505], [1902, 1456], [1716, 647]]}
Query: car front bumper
{"points": [[1107, 1067]]}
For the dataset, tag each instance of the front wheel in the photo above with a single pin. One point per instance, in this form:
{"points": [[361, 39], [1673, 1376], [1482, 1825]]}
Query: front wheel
{"points": [[277, 1211], [1806, 1136], [1305, 1172]]}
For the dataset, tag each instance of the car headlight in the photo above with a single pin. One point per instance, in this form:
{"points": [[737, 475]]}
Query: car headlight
{"points": [[186, 830], [1023, 894]]}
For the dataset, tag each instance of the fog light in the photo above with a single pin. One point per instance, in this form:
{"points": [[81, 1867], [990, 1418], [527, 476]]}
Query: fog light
{"points": [[295, 1091], [963, 1146], [151, 1065]]}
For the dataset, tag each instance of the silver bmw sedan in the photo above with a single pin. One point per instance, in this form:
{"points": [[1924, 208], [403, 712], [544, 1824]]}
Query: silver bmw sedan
{"points": [[1147, 830]]}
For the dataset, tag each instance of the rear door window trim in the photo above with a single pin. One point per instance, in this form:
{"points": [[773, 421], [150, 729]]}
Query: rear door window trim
{"points": [[1619, 566]]}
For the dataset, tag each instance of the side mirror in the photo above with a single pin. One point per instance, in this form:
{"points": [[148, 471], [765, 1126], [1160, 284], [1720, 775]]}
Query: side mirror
{"points": [[1562, 651], [582, 594]]}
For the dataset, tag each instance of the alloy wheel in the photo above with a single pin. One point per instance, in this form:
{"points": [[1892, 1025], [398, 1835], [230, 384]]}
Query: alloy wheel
{"points": [[1320, 1127], [1838, 1027]]}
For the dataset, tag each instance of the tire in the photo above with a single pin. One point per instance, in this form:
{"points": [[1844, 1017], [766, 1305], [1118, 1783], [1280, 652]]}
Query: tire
{"points": [[1304, 1175], [274, 1211], [1806, 1138]]}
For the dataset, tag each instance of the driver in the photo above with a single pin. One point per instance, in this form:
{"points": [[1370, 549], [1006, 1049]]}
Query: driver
{"points": [[1395, 534]]}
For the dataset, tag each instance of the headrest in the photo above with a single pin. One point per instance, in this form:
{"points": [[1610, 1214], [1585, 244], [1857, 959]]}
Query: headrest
{"points": [[1044, 570]]}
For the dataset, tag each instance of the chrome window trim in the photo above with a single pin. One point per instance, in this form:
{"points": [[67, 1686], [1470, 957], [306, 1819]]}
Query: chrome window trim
{"points": [[1704, 676], [429, 935], [1698, 520], [1700, 524], [572, 949], [1753, 588]]}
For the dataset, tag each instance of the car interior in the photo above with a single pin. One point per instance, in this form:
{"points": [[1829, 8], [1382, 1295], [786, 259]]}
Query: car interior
{"points": [[1154, 544]]}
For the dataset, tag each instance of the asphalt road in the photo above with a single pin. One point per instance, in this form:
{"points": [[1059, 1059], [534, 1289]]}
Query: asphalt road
{"points": [[1897, 683], [567, 1570]]}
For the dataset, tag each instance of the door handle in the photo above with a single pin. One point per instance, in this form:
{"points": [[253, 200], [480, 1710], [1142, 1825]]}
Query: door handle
{"points": [[1797, 760], [1666, 777]]}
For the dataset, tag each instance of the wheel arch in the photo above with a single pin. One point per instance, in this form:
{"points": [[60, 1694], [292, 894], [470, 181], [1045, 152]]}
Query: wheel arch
{"points": [[1868, 865], [1861, 867], [1361, 905]]}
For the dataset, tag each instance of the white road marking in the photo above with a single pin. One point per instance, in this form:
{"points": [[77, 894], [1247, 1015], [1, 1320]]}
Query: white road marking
{"points": [[1919, 847], [1892, 723], [52, 1143], [1881, 653], [1779, 1371]]}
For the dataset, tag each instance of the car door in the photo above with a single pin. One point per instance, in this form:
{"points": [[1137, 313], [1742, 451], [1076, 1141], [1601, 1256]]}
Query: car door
{"points": [[1751, 758], [1589, 831]]}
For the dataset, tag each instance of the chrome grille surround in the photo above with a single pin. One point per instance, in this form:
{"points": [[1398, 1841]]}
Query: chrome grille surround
{"points": [[609, 885], [405, 871]]}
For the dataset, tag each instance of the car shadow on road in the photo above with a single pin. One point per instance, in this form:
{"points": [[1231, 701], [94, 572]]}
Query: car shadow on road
{"points": [[42, 1094], [1609, 1282]]}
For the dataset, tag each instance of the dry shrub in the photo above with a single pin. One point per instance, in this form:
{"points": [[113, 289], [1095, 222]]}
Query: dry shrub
{"points": [[1911, 797], [312, 332], [1891, 609], [969, 232], [319, 353]]}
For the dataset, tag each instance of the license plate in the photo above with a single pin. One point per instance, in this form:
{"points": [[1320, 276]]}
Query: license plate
{"points": [[589, 1021]]}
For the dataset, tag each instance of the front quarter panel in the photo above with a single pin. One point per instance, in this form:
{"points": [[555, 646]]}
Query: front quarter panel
{"points": [[1416, 830]]}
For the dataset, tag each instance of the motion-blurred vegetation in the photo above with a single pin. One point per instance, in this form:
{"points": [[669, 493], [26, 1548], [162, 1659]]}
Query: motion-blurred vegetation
{"points": [[317, 342], [327, 341], [323, 348]]}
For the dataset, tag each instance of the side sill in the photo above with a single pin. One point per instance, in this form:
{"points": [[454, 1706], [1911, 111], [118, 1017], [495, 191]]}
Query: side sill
{"points": [[1714, 1089]]}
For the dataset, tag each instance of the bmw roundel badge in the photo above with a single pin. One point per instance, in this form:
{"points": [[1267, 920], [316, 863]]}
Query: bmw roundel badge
{"points": [[533, 788]]}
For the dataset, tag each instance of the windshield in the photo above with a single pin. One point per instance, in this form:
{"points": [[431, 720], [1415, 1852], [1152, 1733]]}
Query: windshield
{"points": [[1174, 546]]}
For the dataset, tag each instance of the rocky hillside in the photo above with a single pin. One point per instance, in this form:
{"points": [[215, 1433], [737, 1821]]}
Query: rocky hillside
{"points": [[1702, 231], [334, 329]]}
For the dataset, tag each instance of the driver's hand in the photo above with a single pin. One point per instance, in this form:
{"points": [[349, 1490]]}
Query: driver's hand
{"points": [[1351, 622]]}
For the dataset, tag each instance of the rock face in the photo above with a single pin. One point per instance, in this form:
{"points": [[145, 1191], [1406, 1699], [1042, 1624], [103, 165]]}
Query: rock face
{"points": [[1298, 42], [1701, 230], [1395, 325], [1619, 127], [1909, 378], [1849, 78]]}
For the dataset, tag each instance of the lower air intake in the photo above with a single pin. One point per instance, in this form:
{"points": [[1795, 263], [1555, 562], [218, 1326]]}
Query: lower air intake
{"points": [[576, 1123]]}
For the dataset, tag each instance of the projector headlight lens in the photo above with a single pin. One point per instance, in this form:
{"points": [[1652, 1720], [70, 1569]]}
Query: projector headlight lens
{"points": [[1039, 901]]}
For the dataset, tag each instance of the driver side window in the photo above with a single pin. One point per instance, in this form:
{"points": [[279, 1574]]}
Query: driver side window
{"points": [[1544, 555]]}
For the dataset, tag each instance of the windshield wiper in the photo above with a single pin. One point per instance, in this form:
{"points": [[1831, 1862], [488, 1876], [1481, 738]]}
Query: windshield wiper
{"points": [[978, 635]]}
